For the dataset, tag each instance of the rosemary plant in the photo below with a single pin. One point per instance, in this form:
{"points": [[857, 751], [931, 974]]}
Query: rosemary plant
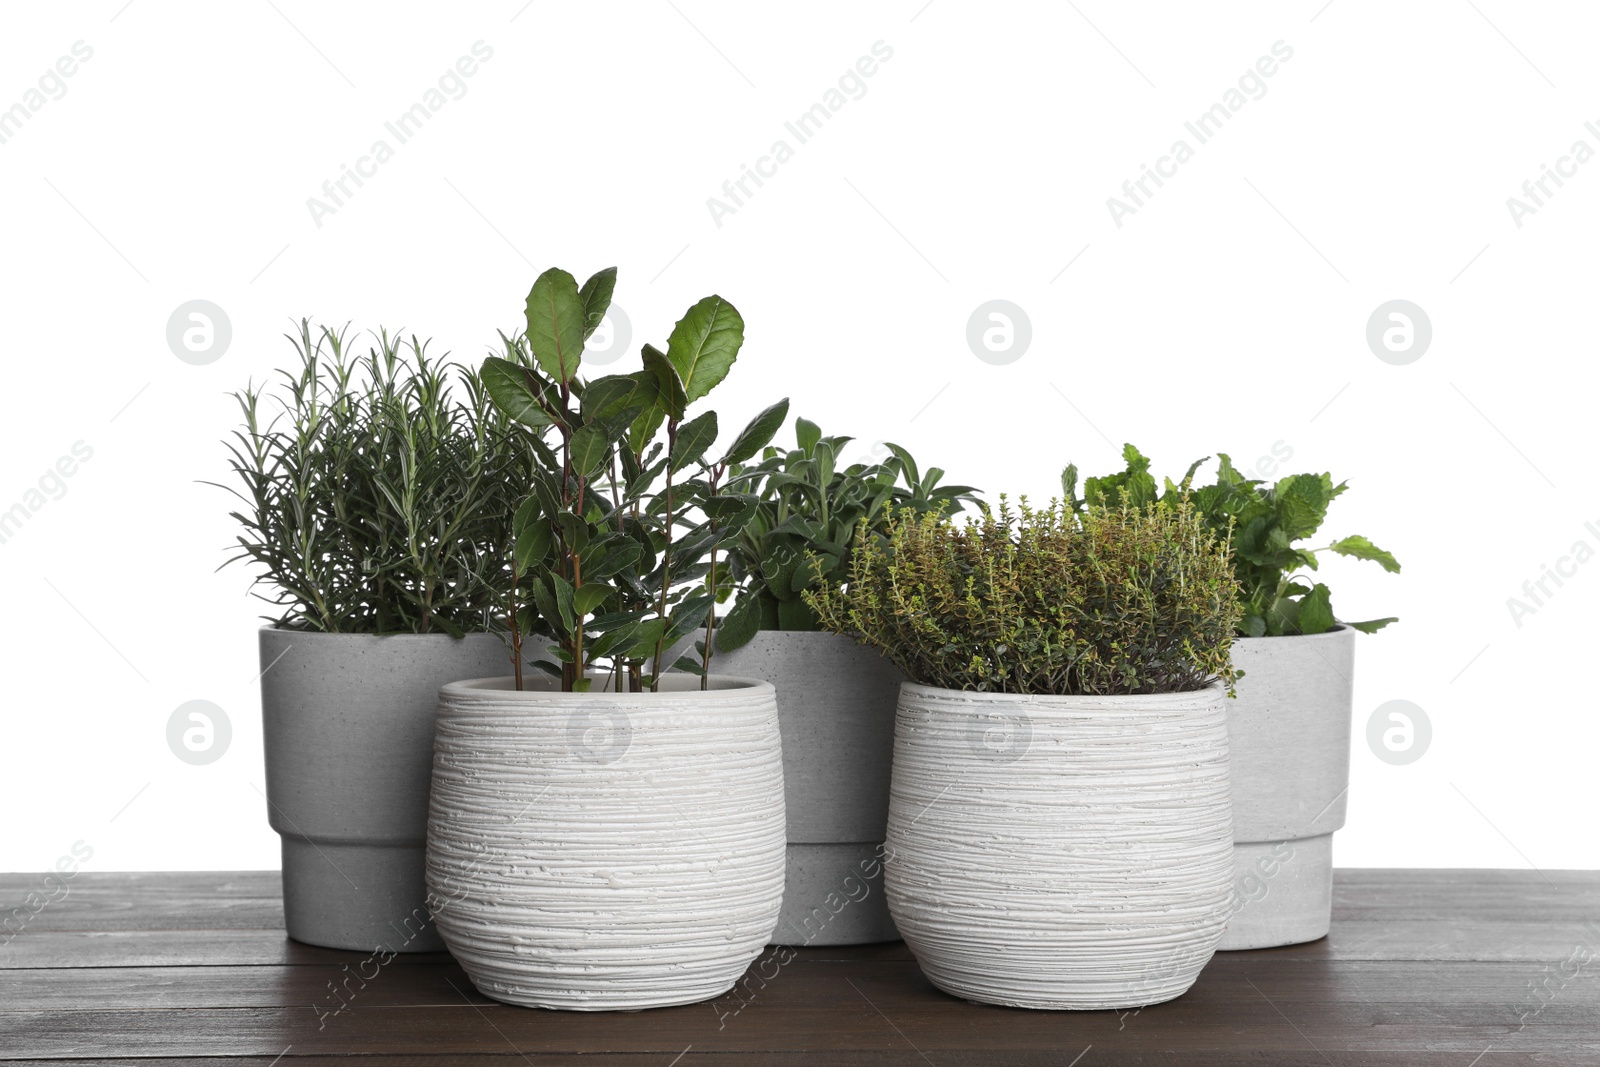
{"points": [[376, 489]]}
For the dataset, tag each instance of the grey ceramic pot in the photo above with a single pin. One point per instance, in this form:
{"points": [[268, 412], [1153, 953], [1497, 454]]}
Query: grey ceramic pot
{"points": [[348, 724], [1289, 736], [836, 707]]}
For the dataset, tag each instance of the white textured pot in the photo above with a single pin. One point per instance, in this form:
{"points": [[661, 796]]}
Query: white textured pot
{"points": [[1060, 851], [836, 706], [1289, 733], [347, 722], [599, 851]]}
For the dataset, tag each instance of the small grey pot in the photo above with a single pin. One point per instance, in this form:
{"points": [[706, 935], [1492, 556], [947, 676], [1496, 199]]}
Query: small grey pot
{"points": [[348, 724], [836, 708], [1289, 737]]}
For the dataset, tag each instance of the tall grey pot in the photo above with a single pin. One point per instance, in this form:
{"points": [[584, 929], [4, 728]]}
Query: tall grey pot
{"points": [[836, 708], [1289, 736], [348, 724]]}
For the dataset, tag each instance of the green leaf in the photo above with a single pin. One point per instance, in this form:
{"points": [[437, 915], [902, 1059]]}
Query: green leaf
{"points": [[1069, 485], [688, 616], [769, 610], [693, 438], [806, 435], [689, 665], [588, 450], [617, 394], [815, 567], [546, 490], [1372, 626], [1360, 548], [615, 561], [704, 344], [549, 608], [726, 506], [527, 513], [589, 596], [527, 618], [1134, 486], [645, 636], [908, 466], [1302, 501], [739, 626], [596, 296], [1316, 616], [533, 546], [575, 531], [1188, 477], [563, 597], [514, 391], [644, 428], [825, 457], [758, 433], [796, 615], [673, 397], [556, 323]]}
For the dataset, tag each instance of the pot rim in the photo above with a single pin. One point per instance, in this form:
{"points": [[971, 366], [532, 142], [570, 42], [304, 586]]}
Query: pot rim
{"points": [[803, 634], [275, 629], [1338, 629], [734, 690], [1216, 689]]}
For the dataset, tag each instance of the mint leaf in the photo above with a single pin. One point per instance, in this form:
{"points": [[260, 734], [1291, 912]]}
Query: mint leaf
{"points": [[1316, 615], [1360, 548]]}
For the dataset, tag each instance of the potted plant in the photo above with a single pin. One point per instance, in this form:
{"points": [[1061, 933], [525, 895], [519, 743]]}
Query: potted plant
{"points": [[374, 511], [1059, 829], [1289, 729], [606, 834], [836, 698]]}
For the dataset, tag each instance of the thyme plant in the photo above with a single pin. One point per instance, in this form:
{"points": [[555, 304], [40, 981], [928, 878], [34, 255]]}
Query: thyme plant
{"points": [[1110, 601]]}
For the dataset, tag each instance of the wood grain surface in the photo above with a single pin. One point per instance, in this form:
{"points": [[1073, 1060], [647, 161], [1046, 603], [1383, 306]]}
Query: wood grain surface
{"points": [[1479, 968]]}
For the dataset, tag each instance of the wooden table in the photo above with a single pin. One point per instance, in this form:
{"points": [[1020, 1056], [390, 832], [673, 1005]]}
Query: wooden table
{"points": [[1458, 968]]}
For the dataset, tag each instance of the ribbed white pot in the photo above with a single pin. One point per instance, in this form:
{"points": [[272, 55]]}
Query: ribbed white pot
{"points": [[598, 851], [1060, 851]]}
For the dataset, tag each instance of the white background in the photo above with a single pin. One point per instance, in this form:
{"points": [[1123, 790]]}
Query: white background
{"points": [[1228, 313]]}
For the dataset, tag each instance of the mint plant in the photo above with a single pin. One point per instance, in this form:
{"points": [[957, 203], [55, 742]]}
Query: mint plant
{"points": [[807, 517], [1268, 526], [616, 543]]}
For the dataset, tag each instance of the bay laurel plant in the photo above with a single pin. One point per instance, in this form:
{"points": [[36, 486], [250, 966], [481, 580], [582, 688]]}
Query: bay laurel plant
{"points": [[374, 489], [1269, 525], [618, 536], [1106, 600], [808, 515]]}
